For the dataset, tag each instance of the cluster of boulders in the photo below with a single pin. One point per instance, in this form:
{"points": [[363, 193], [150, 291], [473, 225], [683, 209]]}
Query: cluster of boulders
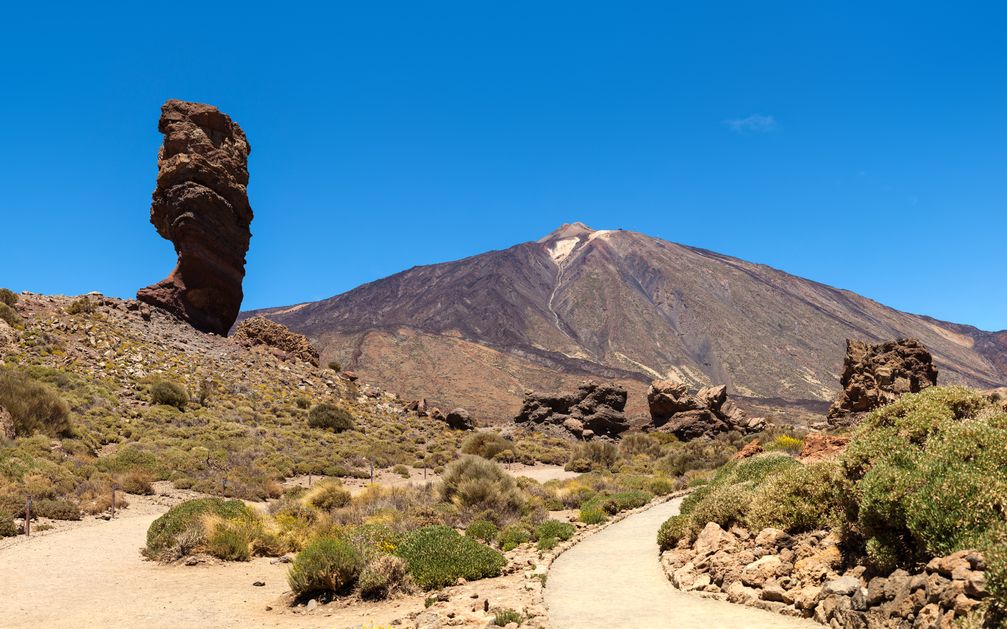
{"points": [[707, 413], [201, 206], [802, 575], [593, 410], [280, 341], [456, 419], [876, 375]]}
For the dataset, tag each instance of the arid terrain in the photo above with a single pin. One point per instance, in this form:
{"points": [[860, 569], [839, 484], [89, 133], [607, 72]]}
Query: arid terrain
{"points": [[617, 306]]}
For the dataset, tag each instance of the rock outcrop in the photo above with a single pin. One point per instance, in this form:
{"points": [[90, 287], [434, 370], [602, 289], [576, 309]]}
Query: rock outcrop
{"points": [[593, 410], [709, 412], [201, 206], [459, 419], [803, 575], [283, 343], [875, 375]]}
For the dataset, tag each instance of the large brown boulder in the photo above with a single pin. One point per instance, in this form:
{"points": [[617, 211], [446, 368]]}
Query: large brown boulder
{"points": [[876, 375], [707, 413], [201, 206], [258, 331], [593, 410]]}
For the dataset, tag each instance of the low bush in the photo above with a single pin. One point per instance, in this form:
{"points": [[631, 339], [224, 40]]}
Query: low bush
{"points": [[478, 485], [327, 565], [482, 530], [327, 495], [7, 526], [513, 536], [330, 417], [438, 556], [55, 509], [81, 305], [8, 297], [231, 539], [802, 498], [167, 393], [637, 444], [673, 529], [9, 315], [551, 532], [181, 530], [504, 617], [33, 405], [486, 443], [383, 576], [593, 456]]}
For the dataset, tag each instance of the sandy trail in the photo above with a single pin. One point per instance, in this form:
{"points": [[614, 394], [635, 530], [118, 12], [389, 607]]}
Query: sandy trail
{"points": [[614, 579]]}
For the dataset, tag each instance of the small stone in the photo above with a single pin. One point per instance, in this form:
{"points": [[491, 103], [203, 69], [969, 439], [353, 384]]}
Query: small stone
{"points": [[259, 584], [843, 586], [312, 604]]}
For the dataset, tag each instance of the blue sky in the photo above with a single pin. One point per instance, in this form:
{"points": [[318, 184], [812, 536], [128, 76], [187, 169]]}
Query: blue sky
{"points": [[861, 144]]}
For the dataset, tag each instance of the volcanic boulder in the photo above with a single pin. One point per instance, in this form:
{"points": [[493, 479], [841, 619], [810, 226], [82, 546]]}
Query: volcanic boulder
{"points": [[287, 345], [875, 375], [593, 410], [709, 412], [459, 419], [201, 205]]}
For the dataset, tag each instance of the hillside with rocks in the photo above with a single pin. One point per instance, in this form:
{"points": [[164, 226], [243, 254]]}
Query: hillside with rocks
{"points": [[622, 307]]}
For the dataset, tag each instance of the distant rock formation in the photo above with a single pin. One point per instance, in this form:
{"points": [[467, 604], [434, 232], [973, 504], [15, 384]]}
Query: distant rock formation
{"points": [[709, 412], [285, 344], [459, 419], [201, 205], [875, 375], [594, 410]]}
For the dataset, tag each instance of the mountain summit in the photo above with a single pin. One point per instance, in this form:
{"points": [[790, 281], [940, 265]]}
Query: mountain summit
{"points": [[617, 305]]}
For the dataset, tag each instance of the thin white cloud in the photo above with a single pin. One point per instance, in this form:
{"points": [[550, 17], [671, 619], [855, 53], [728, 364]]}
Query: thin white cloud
{"points": [[755, 123]]}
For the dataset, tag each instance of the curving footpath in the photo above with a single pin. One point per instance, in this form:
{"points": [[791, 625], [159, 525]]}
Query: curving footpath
{"points": [[614, 579]]}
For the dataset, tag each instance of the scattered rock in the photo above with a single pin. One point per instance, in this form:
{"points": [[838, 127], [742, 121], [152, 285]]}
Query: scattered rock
{"points": [[751, 449], [259, 584], [875, 375], [286, 345], [597, 409], [459, 419], [201, 205]]}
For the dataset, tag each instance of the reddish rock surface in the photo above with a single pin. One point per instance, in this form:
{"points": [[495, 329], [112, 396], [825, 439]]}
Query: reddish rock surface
{"points": [[875, 375], [285, 344], [201, 206], [818, 446]]}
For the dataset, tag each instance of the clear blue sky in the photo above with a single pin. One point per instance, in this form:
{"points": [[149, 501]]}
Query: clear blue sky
{"points": [[861, 144]]}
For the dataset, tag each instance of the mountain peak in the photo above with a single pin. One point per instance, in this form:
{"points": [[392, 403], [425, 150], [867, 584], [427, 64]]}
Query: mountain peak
{"points": [[567, 230]]}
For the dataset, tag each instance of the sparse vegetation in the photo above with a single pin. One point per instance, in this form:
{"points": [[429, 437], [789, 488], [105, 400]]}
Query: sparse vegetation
{"points": [[8, 314], [8, 297], [34, 406], [191, 527], [486, 443], [327, 565], [478, 485], [81, 305]]}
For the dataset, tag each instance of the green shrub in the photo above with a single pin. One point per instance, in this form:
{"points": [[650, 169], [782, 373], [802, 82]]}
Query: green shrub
{"points": [[802, 498], [326, 566], [180, 530], [591, 512], [661, 486], [8, 297], [551, 532], [9, 315], [330, 417], [673, 529], [231, 540], [638, 443], [34, 406], [479, 485], [626, 500], [438, 556], [482, 530], [486, 443], [513, 536], [698, 454], [335, 366], [167, 393], [382, 576], [55, 509]]}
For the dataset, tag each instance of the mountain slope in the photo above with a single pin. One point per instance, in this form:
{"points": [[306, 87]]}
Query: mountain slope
{"points": [[617, 305]]}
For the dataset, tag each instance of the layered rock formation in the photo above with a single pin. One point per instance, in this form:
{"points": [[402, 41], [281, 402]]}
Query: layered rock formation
{"points": [[593, 410], [282, 342], [708, 413], [875, 375], [201, 206]]}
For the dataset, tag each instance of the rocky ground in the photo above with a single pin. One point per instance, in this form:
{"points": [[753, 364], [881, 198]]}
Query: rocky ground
{"points": [[803, 575]]}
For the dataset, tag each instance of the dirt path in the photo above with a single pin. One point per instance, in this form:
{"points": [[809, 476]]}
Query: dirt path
{"points": [[614, 579]]}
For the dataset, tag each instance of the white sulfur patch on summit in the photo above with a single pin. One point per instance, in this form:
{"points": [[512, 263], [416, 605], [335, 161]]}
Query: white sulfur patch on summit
{"points": [[601, 233], [562, 248]]}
